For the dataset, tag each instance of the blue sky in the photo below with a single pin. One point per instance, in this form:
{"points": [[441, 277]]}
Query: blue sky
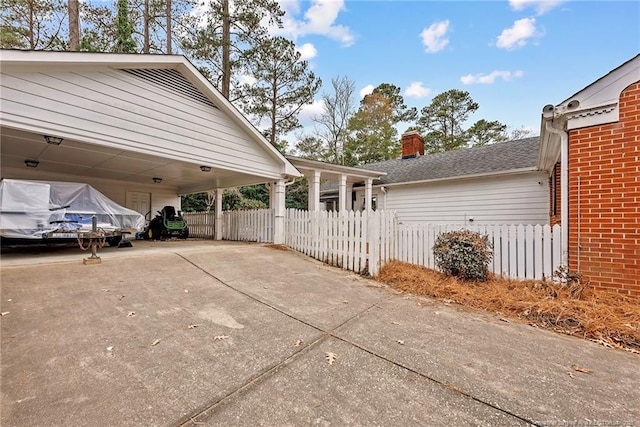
{"points": [[513, 57]]}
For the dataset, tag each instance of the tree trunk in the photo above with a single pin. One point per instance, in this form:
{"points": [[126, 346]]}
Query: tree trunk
{"points": [[274, 106], [32, 43], [74, 25], [226, 49], [169, 30], [145, 48]]}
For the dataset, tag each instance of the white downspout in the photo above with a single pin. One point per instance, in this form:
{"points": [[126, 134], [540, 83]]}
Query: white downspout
{"points": [[384, 204], [564, 187]]}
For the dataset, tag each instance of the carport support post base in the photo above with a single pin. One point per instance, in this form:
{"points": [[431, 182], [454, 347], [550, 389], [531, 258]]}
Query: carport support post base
{"points": [[90, 261]]}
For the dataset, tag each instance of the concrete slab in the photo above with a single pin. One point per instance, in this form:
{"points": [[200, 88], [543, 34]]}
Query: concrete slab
{"points": [[111, 344], [513, 366], [300, 286], [357, 389]]}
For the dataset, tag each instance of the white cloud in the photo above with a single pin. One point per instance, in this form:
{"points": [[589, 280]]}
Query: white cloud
{"points": [[518, 35], [309, 111], [307, 51], [491, 77], [319, 19], [366, 90], [541, 6], [417, 90], [290, 6], [246, 78], [434, 37]]}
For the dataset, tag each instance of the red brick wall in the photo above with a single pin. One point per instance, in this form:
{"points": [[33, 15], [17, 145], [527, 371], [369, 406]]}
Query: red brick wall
{"points": [[605, 162], [555, 203]]}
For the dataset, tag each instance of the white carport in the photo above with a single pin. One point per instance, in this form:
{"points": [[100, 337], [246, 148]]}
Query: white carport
{"points": [[131, 125]]}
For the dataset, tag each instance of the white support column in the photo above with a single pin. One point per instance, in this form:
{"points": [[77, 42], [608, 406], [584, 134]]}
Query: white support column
{"points": [[342, 194], [349, 197], [218, 212], [271, 186], [314, 192], [279, 211], [368, 194]]}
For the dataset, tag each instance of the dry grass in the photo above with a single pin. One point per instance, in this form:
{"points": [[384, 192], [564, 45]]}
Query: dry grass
{"points": [[609, 318]]}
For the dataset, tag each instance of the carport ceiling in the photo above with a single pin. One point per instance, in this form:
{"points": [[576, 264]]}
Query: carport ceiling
{"points": [[89, 160]]}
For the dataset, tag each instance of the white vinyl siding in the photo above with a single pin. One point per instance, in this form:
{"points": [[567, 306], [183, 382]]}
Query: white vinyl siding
{"points": [[120, 110], [504, 199]]}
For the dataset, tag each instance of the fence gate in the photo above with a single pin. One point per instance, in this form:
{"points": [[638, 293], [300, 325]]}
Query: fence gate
{"points": [[201, 224]]}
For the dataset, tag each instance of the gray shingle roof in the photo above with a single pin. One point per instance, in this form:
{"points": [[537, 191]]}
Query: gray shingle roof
{"points": [[499, 157], [503, 156]]}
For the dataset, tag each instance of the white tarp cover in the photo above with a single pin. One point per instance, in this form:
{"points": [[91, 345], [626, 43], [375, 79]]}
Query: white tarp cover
{"points": [[31, 209]]}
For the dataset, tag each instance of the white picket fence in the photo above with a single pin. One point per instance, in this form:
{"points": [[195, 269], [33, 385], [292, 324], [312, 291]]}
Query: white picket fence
{"points": [[356, 241], [363, 242], [519, 251], [248, 226], [201, 224]]}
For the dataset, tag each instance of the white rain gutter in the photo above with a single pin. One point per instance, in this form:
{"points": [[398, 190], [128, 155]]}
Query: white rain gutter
{"points": [[564, 186]]}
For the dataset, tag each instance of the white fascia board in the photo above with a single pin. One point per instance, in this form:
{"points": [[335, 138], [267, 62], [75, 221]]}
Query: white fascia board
{"points": [[311, 165], [597, 103], [462, 177], [83, 60], [549, 151], [455, 178]]}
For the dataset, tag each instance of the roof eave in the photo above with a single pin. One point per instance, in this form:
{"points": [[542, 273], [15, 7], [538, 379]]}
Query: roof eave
{"points": [[463, 177], [549, 151], [454, 178], [16, 57], [333, 168]]}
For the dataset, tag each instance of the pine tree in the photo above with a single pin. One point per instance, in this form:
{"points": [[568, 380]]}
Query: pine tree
{"points": [[124, 29], [284, 84]]}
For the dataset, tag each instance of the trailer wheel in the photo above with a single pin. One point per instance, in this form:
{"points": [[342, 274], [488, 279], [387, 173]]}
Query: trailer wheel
{"points": [[114, 241]]}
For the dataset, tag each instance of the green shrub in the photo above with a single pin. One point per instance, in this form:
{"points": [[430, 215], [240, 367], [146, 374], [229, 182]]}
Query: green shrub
{"points": [[464, 254]]}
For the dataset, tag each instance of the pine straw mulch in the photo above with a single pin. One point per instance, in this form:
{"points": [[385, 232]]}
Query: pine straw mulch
{"points": [[276, 247], [575, 309]]}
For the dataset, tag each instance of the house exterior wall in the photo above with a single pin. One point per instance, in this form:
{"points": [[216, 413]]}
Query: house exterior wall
{"points": [[502, 199], [117, 109], [604, 199]]}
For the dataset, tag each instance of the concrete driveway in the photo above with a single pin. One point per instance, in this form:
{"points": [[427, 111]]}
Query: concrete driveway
{"points": [[208, 333]]}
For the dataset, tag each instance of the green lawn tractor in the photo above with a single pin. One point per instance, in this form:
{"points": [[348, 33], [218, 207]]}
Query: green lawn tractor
{"points": [[166, 224]]}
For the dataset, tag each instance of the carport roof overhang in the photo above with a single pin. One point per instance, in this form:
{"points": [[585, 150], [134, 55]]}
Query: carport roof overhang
{"points": [[127, 117], [330, 171]]}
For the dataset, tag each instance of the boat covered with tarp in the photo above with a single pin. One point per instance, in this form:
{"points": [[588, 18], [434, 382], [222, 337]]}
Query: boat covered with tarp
{"points": [[50, 212]]}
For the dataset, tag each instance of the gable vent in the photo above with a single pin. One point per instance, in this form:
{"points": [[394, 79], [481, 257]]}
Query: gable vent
{"points": [[174, 81]]}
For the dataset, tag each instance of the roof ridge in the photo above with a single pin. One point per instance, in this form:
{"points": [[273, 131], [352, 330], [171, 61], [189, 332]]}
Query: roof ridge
{"points": [[456, 152]]}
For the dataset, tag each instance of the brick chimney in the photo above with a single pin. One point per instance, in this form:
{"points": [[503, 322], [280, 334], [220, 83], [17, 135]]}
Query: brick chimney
{"points": [[412, 145]]}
